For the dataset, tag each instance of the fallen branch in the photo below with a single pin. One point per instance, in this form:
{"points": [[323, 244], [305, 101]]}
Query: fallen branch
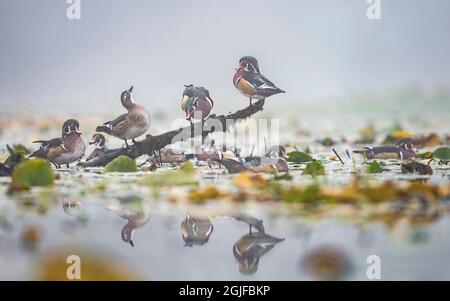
{"points": [[154, 143]]}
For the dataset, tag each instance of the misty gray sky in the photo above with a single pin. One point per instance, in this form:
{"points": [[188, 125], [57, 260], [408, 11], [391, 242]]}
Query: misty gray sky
{"points": [[311, 49]]}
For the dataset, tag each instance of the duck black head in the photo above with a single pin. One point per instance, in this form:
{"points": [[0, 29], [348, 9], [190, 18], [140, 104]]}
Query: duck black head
{"points": [[71, 126], [249, 63], [126, 99], [407, 143], [98, 140]]}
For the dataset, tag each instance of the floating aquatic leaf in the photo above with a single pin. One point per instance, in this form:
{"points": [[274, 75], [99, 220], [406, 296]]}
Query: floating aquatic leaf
{"points": [[374, 167], [187, 167], [299, 157], [246, 180], [314, 168], [425, 155], [311, 193], [37, 172], [121, 164], [395, 136], [20, 149], [207, 193], [186, 175], [442, 153]]}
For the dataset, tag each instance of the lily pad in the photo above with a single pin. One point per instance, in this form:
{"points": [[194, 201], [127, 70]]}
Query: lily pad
{"points": [[314, 168], [442, 153], [299, 157], [186, 175], [425, 155], [121, 164], [374, 167], [30, 173]]}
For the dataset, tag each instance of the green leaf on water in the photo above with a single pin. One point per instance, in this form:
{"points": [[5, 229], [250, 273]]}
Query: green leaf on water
{"points": [[187, 167], [30, 173], [425, 155], [186, 175], [374, 167], [121, 164], [299, 157], [20, 149], [442, 153], [314, 168]]}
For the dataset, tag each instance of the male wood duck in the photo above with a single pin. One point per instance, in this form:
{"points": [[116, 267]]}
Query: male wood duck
{"points": [[249, 249], [196, 103], [100, 148], [65, 150], [404, 150], [196, 230], [250, 82], [129, 125]]}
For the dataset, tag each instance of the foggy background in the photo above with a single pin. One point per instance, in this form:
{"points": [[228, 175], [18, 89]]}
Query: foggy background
{"points": [[315, 50]]}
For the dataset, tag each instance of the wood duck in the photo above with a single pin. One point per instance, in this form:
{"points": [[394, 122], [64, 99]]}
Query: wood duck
{"points": [[404, 150], [135, 211], [65, 150], [130, 125], [251, 83], [196, 230], [196, 103], [249, 249], [100, 148]]}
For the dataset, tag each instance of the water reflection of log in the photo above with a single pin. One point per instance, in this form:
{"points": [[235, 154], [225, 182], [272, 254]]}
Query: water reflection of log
{"points": [[135, 211]]}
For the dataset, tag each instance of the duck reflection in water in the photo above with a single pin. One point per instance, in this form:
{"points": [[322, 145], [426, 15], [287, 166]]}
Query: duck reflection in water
{"points": [[135, 210], [250, 247], [196, 229]]}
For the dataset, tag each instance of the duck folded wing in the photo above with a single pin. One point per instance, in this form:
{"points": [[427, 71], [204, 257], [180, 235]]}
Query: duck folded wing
{"points": [[108, 126], [47, 146], [262, 85]]}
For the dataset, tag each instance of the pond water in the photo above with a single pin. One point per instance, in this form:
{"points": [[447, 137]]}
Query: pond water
{"points": [[87, 213]]}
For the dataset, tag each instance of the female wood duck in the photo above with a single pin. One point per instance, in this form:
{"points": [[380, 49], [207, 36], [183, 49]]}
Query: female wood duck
{"points": [[135, 211], [196, 230], [250, 82], [65, 150], [404, 150], [100, 148], [129, 125], [196, 103]]}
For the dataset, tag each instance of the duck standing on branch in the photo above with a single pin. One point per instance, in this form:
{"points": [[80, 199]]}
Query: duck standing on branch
{"points": [[130, 125], [196, 103], [250, 82], [65, 150]]}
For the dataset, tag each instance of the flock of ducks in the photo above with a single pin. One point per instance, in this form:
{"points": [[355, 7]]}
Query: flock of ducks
{"points": [[196, 103]]}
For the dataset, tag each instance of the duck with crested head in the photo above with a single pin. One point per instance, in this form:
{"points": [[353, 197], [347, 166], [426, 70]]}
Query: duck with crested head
{"points": [[130, 125], [65, 150], [196, 103], [99, 141], [251, 83]]}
